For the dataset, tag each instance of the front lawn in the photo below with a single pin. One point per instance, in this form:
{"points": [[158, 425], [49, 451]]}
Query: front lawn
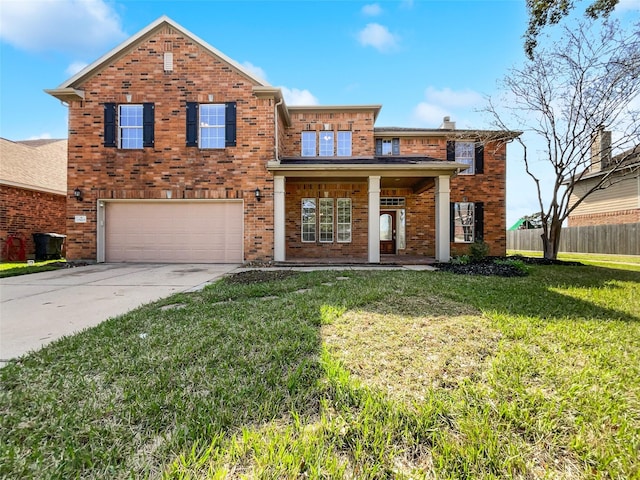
{"points": [[358, 374]]}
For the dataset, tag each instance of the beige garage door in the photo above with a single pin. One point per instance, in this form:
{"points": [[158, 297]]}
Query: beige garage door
{"points": [[174, 232]]}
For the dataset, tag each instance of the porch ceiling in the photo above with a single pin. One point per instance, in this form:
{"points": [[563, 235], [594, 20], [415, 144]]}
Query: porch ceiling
{"points": [[417, 176]]}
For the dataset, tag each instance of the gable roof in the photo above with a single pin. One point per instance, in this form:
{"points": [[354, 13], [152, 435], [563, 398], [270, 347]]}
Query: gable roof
{"points": [[34, 164], [71, 88]]}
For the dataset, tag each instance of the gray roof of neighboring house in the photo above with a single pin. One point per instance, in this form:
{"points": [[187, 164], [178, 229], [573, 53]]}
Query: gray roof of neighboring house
{"points": [[34, 164]]}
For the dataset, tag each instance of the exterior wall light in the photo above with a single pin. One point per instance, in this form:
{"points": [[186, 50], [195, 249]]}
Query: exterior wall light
{"points": [[78, 194], [258, 194]]}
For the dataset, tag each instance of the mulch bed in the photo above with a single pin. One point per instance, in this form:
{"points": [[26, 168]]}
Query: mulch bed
{"points": [[488, 266]]}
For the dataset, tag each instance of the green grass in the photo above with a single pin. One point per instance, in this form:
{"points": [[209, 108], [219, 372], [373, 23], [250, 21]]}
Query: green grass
{"points": [[12, 269], [601, 259], [343, 375]]}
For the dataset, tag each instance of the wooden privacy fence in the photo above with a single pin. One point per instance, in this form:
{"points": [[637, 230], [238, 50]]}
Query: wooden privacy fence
{"points": [[616, 239]]}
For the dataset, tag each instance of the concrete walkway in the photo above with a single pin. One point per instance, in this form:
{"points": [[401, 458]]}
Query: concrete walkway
{"points": [[38, 308]]}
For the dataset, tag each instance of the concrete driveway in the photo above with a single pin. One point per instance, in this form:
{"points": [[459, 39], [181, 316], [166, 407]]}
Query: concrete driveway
{"points": [[38, 308]]}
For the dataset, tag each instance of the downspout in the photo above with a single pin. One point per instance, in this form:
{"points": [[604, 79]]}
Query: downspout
{"points": [[276, 120]]}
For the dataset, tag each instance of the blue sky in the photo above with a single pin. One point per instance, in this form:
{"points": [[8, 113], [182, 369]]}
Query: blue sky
{"points": [[421, 60]]}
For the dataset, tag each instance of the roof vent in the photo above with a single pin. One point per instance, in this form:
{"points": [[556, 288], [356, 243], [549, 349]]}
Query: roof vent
{"points": [[168, 61]]}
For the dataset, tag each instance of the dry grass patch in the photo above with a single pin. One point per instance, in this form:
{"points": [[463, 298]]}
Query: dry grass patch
{"points": [[412, 344]]}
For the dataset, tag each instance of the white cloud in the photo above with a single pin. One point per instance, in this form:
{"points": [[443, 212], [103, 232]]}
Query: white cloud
{"points": [[295, 96], [255, 70], [430, 114], [42, 136], [446, 102], [372, 10], [72, 26], [451, 98], [377, 36], [75, 67]]}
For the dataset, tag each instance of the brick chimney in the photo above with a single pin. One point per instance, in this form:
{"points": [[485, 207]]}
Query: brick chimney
{"points": [[600, 150], [447, 124]]}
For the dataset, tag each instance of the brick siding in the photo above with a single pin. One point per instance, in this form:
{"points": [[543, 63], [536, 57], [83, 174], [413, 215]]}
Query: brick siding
{"points": [[170, 169], [25, 212]]}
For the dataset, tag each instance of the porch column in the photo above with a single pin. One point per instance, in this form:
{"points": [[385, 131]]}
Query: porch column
{"points": [[374, 219], [443, 252], [278, 219]]}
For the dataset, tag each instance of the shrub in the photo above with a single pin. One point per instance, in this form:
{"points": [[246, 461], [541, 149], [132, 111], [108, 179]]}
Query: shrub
{"points": [[516, 263], [478, 250]]}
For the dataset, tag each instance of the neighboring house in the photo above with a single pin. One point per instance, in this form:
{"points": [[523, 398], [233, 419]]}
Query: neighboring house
{"points": [[182, 155], [619, 201], [33, 191]]}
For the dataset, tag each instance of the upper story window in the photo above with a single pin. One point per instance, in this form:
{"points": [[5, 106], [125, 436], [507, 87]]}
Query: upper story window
{"points": [[344, 144], [129, 126], [326, 144], [465, 154], [329, 143], [387, 146], [211, 125], [469, 153], [308, 144]]}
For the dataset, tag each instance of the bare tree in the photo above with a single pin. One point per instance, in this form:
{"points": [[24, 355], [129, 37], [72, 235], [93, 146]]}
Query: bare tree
{"points": [[567, 95]]}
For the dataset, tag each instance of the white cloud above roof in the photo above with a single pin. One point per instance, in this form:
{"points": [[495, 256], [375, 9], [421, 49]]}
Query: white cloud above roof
{"points": [[255, 70], [75, 67], [377, 36], [80, 27], [294, 96], [439, 103], [372, 10]]}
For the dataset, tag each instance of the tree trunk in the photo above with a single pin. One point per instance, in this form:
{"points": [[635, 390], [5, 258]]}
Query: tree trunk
{"points": [[551, 239]]}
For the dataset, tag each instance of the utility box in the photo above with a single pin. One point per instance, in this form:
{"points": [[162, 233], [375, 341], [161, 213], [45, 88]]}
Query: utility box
{"points": [[48, 245]]}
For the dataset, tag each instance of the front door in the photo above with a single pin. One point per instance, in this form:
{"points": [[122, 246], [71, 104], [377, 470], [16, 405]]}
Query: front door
{"points": [[388, 232]]}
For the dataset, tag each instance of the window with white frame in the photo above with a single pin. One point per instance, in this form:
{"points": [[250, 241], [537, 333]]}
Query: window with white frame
{"points": [[212, 125], [463, 222], [344, 220], [308, 144], [387, 146], [308, 219], [326, 220], [344, 144], [465, 154], [326, 144], [130, 126]]}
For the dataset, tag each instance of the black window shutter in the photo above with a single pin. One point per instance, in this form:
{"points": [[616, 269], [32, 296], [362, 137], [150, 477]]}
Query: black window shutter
{"points": [[230, 124], [451, 151], [109, 124], [148, 110], [479, 157], [452, 221], [395, 146], [478, 220], [378, 146], [192, 124]]}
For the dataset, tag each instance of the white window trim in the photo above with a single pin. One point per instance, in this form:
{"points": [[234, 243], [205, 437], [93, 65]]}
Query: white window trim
{"points": [[338, 223], [315, 220], [472, 166], [202, 127], [340, 144], [325, 219], [130, 127], [326, 143], [302, 143]]}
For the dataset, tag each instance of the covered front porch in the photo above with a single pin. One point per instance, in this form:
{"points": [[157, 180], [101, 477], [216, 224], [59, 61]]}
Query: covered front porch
{"points": [[337, 213]]}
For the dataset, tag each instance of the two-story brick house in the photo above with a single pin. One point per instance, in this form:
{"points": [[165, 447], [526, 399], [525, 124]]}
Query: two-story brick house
{"points": [[182, 155]]}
